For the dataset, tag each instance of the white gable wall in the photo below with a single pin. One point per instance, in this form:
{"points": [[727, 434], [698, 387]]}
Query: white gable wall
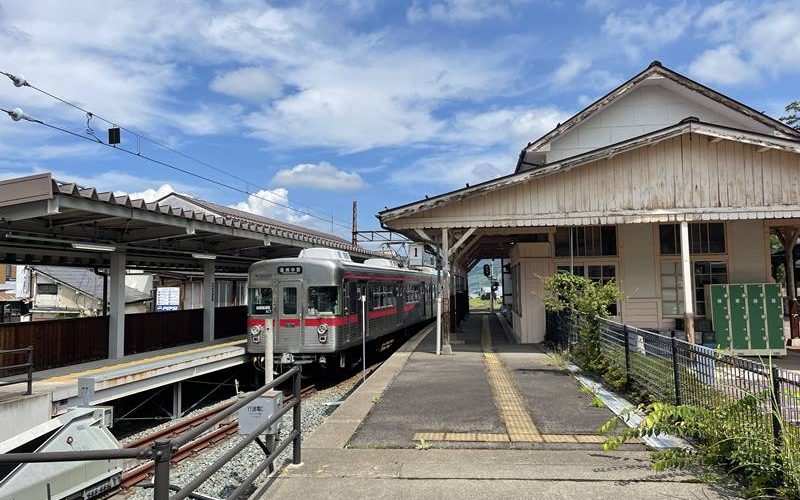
{"points": [[645, 109]]}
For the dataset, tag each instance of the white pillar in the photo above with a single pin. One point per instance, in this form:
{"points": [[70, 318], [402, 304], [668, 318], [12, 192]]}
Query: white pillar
{"points": [[116, 299], [688, 284], [447, 309], [208, 300]]}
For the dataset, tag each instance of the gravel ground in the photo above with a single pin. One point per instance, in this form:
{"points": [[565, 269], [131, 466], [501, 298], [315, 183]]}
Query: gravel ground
{"points": [[314, 411]]}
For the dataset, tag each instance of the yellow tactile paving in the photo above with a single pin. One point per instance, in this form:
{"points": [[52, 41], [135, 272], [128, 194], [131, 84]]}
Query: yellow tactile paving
{"points": [[519, 425], [509, 401], [76, 375], [482, 437]]}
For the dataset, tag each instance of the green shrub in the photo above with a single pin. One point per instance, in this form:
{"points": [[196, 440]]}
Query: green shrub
{"points": [[735, 435], [586, 300]]}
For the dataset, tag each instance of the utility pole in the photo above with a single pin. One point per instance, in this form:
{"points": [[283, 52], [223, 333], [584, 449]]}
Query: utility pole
{"points": [[355, 222]]}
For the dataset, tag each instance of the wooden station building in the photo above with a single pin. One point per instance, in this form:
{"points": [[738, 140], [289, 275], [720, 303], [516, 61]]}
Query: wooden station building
{"points": [[661, 182]]}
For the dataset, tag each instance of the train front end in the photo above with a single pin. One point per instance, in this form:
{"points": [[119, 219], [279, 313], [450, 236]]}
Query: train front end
{"points": [[297, 303]]}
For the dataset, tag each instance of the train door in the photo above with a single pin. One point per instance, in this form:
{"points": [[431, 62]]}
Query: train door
{"points": [[361, 310], [290, 318]]}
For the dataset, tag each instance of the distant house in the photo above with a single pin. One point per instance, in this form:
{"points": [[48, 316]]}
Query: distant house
{"points": [[63, 292]]}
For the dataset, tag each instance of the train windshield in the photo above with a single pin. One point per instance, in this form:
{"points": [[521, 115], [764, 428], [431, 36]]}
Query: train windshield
{"points": [[323, 300], [260, 301]]}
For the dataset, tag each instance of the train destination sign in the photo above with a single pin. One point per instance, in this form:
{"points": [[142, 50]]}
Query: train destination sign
{"points": [[290, 269]]}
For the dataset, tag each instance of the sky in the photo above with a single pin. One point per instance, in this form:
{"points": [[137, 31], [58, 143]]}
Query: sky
{"points": [[312, 105]]}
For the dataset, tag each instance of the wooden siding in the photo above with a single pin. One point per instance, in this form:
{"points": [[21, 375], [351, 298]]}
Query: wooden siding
{"points": [[692, 177]]}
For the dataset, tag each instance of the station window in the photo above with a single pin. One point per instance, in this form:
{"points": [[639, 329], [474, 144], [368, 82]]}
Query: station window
{"points": [[704, 238], [586, 241], [323, 300], [260, 301], [704, 273], [290, 300], [46, 288]]}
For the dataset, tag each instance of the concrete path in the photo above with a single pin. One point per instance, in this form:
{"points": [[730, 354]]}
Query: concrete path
{"points": [[500, 421]]}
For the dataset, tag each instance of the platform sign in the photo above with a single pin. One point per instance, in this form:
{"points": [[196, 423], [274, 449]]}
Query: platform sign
{"points": [[258, 411], [168, 298]]}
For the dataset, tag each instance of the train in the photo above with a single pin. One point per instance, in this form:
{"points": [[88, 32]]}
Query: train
{"points": [[312, 306]]}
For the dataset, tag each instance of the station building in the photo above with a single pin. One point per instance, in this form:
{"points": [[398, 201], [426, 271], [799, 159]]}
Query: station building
{"points": [[612, 192]]}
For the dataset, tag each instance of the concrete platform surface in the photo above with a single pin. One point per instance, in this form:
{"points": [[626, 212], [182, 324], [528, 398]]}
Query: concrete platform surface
{"points": [[512, 413], [484, 474]]}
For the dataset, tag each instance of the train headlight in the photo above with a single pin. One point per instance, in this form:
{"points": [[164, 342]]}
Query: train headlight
{"points": [[322, 333], [255, 333]]}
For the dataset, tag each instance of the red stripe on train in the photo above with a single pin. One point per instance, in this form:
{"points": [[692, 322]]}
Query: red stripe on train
{"points": [[409, 307], [382, 312]]}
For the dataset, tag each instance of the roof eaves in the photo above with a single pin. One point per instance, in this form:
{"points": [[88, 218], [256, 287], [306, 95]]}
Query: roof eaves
{"points": [[687, 125]]}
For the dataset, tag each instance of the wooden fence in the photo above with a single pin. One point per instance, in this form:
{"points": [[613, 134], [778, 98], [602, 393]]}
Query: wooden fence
{"points": [[63, 342]]}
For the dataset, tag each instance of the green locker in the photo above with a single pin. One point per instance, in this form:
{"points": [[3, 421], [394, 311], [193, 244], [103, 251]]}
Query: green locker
{"points": [[717, 309], [774, 306], [737, 305], [747, 319], [756, 316]]}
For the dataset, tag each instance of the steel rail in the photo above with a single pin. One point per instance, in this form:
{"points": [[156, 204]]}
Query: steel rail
{"points": [[204, 475], [192, 434]]}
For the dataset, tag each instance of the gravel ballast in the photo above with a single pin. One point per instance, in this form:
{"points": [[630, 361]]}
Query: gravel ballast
{"points": [[315, 408]]}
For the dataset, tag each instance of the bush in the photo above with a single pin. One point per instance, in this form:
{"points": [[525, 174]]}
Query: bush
{"points": [[735, 435], [585, 300]]}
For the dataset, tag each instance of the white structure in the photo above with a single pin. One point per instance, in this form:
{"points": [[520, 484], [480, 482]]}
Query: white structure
{"points": [[659, 183]]}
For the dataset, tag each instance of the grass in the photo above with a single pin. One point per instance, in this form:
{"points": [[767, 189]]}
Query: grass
{"points": [[478, 303]]}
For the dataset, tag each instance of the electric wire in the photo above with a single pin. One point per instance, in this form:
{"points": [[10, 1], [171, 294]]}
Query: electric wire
{"points": [[160, 162], [90, 115]]}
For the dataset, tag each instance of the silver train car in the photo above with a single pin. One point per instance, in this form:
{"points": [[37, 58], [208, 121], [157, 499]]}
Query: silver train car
{"points": [[312, 305]]}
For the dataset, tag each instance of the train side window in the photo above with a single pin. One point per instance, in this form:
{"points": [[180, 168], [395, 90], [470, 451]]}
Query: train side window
{"points": [[260, 301], [290, 300], [323, 300]]}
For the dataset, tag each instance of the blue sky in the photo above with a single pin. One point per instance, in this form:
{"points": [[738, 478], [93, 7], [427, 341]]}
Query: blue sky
{"points": [[328, 101]]}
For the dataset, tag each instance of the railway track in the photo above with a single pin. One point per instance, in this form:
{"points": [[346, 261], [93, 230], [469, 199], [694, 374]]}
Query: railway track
{"points": [[144, 470], [224, 430]]}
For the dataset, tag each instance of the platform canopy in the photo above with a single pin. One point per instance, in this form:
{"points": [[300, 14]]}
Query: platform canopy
{"points": [[45, 221]]}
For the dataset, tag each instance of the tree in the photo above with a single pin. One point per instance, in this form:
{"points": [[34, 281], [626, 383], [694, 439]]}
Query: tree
{"points": [[793, 118]]}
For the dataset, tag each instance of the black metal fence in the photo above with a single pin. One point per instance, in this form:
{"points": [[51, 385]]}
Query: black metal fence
{"points": [[667, 369], [161, 452], [16, 364]]}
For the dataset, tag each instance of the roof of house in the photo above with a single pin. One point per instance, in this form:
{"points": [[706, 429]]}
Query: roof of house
{"points": [[689, 125], [656, 69], [86, 282], [233, 213]]}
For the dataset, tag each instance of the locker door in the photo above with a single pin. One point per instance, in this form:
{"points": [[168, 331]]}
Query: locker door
{"points": [[720, 315], [737, 305], [757, 316], [774, 305]]}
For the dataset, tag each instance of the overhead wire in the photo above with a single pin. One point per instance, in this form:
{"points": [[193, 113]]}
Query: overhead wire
{"points": [[95, 140], [20, 81]]}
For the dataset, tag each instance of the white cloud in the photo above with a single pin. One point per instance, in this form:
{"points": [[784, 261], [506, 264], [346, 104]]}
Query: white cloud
{"points": [[723, 65], [512, 127], [321, 175], [460, 11], [455, 169], [753, 40], [376, 96], [150, 194], [648, 27], [254, 83], [573, 66]]}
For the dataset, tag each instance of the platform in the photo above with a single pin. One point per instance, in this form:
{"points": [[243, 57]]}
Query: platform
{"points": [[494, 420], [56, 391]]}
